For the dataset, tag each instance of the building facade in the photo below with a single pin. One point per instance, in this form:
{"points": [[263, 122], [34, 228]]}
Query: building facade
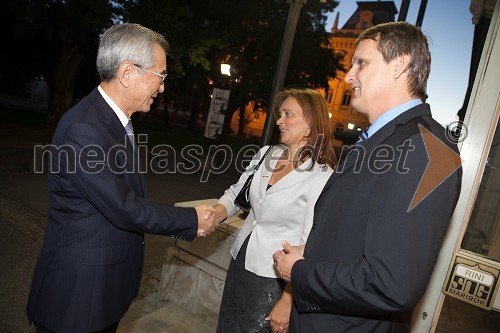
{"points": [[344, 117]]}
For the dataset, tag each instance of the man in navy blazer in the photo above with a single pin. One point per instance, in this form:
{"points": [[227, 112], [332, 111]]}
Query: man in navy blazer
{"points": [[89, 268], [381, 217]]}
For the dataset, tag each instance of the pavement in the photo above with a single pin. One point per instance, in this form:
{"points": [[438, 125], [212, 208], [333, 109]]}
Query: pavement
{"points": [[23, 218]]}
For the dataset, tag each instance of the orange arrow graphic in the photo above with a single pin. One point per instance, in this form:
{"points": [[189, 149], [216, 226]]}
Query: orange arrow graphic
{"points": [[442, 163]]}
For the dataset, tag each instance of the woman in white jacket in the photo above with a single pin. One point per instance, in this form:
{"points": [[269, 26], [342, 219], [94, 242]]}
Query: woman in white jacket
{"points": [[283, 193]]}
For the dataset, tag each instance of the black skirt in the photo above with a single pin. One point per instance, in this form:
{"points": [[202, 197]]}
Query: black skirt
{"points": [[248, 298]]}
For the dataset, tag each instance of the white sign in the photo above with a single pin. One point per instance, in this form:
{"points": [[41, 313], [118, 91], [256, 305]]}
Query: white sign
{"points": [[475, 275], [472, 280], [216, 113]]}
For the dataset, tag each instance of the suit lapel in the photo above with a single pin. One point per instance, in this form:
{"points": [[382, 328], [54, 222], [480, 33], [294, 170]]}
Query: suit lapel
{"points": [[295, 176], [109, 121], [144, 189], [113, 126], [266, 169], [377, 139]]}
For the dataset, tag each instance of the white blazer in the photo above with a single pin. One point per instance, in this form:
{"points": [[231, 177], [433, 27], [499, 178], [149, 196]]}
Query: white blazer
{"points": [[284, 212]]}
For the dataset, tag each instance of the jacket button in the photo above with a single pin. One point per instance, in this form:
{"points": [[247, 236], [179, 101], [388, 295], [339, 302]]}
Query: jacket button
{"points": [[254, 222], [313, 227]]}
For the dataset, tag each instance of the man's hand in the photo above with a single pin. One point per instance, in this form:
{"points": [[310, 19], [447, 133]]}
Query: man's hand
{"points": [[206, 219], [285, 259], [300, 249]]}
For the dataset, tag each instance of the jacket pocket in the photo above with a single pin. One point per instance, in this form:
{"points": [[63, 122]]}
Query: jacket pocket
{"points": [[104, 255], [274, 242]]}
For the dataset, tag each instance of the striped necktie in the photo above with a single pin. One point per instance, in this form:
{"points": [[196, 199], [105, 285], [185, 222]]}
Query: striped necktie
{"points": [[363, 136], [130, 132]]}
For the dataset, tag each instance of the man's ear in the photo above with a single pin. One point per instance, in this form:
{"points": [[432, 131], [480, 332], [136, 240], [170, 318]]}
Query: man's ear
{"points": [[401, 64], [125, 73]]}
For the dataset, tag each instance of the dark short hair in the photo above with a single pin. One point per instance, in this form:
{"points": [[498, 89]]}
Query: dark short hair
{"points": [[401, 38]]}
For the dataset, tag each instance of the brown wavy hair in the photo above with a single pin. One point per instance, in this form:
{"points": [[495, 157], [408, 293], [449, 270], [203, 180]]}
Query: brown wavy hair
{"points": [[319, 142]]}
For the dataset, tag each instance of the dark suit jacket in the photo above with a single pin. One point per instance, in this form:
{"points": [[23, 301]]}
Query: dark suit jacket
{"points": [[89, 268], [367, 259]]}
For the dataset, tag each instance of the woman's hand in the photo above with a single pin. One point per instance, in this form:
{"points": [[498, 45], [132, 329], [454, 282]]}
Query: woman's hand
{"points": [[280, 314], [220, 213]]}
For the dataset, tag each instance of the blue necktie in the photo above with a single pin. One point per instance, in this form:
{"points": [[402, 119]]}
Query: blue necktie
{"points": [[130, 132], [363, 136]]}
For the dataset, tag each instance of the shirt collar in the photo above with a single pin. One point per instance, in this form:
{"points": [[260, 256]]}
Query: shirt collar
{"points": [[119, 113], [390, 115]]}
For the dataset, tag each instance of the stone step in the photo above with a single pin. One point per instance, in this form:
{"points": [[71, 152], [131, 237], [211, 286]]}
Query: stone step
{"points": [[203, 322], [140, 308], [171, 318], [158, 321]]}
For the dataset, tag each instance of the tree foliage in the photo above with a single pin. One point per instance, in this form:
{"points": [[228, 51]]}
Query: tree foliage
{"points": [[61, 38], [56, 36]]}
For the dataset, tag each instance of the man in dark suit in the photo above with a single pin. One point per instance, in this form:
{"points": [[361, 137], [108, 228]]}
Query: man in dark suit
{"points": [[89, 268], [381, 218]]}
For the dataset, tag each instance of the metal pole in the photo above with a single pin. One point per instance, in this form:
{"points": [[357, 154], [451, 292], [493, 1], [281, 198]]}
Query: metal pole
{"points": [[421, 12], [279, 76], [403, 11]]}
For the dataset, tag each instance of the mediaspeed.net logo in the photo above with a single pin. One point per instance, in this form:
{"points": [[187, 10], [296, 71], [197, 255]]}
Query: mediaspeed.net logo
{"points": [[217, 159], [443, 162]]}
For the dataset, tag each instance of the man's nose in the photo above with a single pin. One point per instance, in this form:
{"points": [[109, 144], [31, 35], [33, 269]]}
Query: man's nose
{"points": [[349, 76]]}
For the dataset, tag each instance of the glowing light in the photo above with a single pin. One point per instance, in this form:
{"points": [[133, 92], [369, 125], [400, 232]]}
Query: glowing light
{"points": [[225, 69]]}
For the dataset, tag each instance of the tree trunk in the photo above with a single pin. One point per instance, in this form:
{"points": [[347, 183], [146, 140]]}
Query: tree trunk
{"points": [[166, 120], [241, 123], [64, 81], [226, 128]]}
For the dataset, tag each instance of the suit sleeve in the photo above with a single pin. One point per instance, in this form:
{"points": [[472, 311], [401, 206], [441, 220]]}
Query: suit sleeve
{"points": [[109, 192], [399, 251]]}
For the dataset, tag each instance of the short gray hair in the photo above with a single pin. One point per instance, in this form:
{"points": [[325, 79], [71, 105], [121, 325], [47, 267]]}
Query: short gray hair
{"points": [[127, 42]]}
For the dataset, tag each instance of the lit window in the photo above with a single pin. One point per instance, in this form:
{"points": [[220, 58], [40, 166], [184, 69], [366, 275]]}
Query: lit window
{"points": [[346, 98]]}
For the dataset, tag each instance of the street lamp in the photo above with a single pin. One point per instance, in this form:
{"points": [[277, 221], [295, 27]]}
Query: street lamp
{"points": [[279, 76], [225, 69]]}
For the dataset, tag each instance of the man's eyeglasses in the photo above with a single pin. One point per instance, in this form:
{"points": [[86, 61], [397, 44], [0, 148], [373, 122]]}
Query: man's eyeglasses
{"points": [[161, 76]]}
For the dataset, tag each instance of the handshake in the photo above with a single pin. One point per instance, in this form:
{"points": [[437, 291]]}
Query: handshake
{"points": [[209, 218]]}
